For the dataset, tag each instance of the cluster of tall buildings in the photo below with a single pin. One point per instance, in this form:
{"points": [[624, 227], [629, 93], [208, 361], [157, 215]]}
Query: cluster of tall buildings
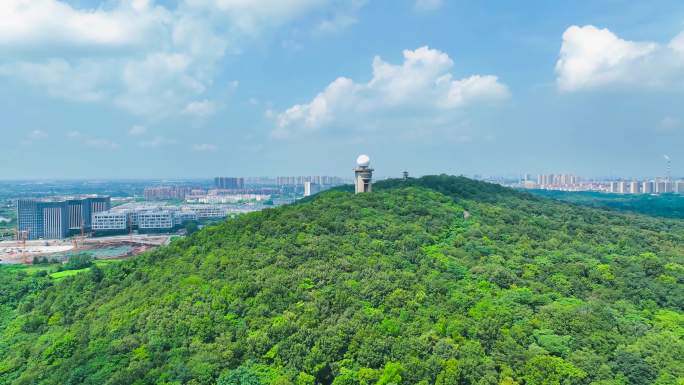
{"points": [[229, 183], [658, 186], [569, 182], [160, 193], [316, 179], [557, 180], [57, 218]]}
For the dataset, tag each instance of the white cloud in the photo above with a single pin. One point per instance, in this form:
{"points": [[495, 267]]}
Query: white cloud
{"points": [[592, 57], [252, 16], [155, 142], [669, 124], [204, 147], [421, 86], [342, 16], [38, 135], [200, 108], [428, 5], [39, 22], [35, 135], [60, 79], [149, 59], [137, 130], [101, 143], [94, 142]]}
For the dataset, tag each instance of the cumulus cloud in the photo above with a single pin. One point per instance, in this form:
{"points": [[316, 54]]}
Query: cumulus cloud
{"points": [[30, 22], [591, 57], [149, 59], [59, 78], [421, 86]]}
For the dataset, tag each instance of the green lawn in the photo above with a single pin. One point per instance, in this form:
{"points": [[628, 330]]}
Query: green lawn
{"points": [[66, 273], [50, 268]]}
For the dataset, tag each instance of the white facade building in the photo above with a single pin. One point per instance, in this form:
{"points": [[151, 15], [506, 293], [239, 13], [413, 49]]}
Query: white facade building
{"points": [[156, 220], [110, 221], [311, 188], [208, 211]]}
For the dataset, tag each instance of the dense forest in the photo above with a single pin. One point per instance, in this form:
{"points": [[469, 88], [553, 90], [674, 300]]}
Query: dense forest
{"points": [[662, 205], [439, 280]]}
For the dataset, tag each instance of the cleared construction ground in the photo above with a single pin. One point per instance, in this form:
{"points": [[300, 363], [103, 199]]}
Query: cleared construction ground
{"points": [[16, 252]]}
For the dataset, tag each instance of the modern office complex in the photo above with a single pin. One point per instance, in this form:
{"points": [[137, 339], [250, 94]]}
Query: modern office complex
{"points": [[156, 221], [57, 218], [229, 183], [153, 218], [110, 222]]}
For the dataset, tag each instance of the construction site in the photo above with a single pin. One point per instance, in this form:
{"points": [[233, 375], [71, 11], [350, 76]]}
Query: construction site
{"points": [[115, 247]]}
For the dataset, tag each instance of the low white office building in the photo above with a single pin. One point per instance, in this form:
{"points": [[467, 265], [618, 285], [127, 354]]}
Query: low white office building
{"points": [[110, 221], [157, 220]]}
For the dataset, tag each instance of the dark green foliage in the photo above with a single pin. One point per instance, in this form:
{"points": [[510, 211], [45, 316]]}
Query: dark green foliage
{"points": [[393, 287], [77, 262], [663, 205], [191, 227]]}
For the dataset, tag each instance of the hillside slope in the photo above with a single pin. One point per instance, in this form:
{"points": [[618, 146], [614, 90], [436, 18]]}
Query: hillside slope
{"points": [[392, 287]]}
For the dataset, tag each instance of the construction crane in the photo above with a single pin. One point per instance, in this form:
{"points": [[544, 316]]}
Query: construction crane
{"points": [[78, 238], [668, 168], [22, 236]]}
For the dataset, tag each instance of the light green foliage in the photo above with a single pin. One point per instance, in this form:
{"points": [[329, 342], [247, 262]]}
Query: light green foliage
{"points": [[547, 370], [388, 288]]}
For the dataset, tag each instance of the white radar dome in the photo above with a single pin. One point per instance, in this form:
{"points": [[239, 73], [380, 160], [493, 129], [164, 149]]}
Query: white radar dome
{"points": [[363, 160]]}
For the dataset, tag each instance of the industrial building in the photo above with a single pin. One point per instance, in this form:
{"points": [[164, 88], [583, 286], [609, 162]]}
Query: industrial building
{"points": [[57, 218]]}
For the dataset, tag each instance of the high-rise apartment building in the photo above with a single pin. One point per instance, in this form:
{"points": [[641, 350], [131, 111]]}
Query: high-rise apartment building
{"points": [[311, 188], [300, 180], [679, 187], [663, 186], [161, 193], [229, 183], [647, 187], [622, 187]]}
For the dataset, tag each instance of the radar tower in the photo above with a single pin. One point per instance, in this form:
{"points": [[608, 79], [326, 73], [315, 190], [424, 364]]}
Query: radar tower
{"points": [[363, 175]]}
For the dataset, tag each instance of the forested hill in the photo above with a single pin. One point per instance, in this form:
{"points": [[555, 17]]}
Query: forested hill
{"points": [[391, 287]]}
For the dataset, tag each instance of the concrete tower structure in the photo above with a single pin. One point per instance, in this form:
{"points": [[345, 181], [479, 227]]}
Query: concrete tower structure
{"points": [[363, 175]]}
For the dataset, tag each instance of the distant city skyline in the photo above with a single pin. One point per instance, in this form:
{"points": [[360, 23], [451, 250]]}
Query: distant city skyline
{"points": [[121, 89]]}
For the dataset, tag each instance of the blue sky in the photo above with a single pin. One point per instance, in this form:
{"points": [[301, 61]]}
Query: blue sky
{"points": [[197, 88]]}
